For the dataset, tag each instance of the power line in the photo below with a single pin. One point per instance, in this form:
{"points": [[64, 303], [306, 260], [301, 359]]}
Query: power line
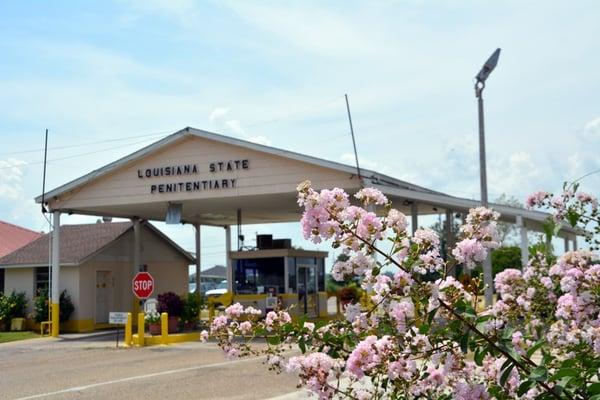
{"points": [[24, 163], [86, 144]]}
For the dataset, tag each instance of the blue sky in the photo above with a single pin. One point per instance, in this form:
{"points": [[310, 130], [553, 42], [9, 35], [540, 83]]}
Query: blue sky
{"points": [[111, 77]]}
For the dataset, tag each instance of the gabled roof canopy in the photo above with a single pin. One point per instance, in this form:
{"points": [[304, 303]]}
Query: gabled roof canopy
{"points": [[213, 176]]}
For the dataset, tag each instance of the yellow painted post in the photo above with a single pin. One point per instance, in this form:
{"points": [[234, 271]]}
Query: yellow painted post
{"points": [[164, 328], [211, 310], [128, 330], [55, 319], [140, 327]]}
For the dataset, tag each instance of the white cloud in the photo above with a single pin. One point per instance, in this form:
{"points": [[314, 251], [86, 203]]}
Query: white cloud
{"points": [[310, 28], [183, 11], [234, 126], [260, 140], [348, 158], [592, 128], [218, 115], [11, 178]]}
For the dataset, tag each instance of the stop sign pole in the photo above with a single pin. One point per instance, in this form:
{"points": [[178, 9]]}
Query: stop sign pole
{"points": [[142, 285]]}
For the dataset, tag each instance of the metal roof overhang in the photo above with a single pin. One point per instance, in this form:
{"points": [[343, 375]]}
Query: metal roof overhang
{"points": [[275, 207]]}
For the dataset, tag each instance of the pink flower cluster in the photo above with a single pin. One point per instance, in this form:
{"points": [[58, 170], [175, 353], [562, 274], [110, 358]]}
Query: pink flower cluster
{"points": [[371, 196], [357, 265], [315, 369], [368, 355], [276, 319], [480, 236]]}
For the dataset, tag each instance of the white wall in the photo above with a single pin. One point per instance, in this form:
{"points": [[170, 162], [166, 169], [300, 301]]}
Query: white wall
{"points": [[20, 280]]}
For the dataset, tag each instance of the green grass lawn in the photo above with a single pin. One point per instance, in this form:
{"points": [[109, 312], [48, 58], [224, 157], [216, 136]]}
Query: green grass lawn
{"points": [[12, 336]]}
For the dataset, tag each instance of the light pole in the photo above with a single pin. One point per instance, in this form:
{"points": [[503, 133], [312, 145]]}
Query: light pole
{"points": [[480, 79]]}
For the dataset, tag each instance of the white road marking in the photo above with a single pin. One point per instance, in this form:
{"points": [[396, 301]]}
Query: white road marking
{"points": [[133, 378]]}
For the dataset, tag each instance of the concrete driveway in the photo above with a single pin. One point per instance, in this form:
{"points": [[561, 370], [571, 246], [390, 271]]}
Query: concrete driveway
{"points": [[95, 369]]}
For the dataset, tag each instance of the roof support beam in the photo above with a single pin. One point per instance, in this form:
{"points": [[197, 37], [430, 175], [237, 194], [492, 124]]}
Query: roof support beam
{"points": [[55, 273], [414, 217], [228, 257], [197, 228], [524, 241]]}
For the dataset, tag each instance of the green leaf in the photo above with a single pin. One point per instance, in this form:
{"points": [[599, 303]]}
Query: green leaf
{"points": [[524, 387], [535, 347], [506, 374], [479, 356], [539, 374], [302, 345], [573, 217], [561, 373], [464, 342], [594, 389]]}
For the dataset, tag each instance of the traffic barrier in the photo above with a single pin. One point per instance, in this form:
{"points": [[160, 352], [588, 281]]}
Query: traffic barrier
{"points": [[128, 331], [140, 335]]}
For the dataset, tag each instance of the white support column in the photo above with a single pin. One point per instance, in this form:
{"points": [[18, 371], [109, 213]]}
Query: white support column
{"points": [[198, 289], [137, 261], [229, 264], [55, 273], [566, 242], [448, 233], [414, 216], [574, 242], [137, 244], [524, 241]]}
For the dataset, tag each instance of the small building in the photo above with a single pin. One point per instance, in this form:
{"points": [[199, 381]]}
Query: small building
{"points": [[295, 276], [13, 237], [96, 268]]}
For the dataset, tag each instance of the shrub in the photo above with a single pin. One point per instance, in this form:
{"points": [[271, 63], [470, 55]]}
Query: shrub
{"points": [[40, 306], [66, 306], [349, 294], [13, 306], [152, 317], [170, 303], [191, 308]]}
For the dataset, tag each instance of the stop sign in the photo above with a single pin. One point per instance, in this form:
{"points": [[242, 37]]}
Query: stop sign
{"points": [[142, 285]]}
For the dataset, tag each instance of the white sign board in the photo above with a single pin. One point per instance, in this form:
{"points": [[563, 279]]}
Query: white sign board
{"points": [[271, 302], [117, 317], [150, 305]]}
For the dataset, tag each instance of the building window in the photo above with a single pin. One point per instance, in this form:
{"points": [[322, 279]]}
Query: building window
{"points": [[42, 280], [1, 280]]}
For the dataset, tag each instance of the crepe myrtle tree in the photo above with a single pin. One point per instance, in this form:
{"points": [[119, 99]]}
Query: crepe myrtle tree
{"points": [[421, 334]]}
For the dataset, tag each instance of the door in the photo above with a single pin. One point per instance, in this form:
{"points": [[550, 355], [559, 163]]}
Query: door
{"points": [[308, 301], [103, 296]]}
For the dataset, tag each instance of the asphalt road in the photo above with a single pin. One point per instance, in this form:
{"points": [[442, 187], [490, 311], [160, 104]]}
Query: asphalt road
{"points": [[95, 369]]}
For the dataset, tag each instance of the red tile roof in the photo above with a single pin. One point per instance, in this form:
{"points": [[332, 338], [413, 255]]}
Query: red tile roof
{"points": [[13, 237]]}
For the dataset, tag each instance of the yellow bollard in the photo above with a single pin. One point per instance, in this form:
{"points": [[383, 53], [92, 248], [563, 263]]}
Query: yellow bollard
{"points": [[164, 328], [55, 320], [128, 330], [141, 323]]}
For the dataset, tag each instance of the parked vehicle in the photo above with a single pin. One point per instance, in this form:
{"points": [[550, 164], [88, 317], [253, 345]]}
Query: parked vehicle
{"points": [[204, 287], [219, 290]]}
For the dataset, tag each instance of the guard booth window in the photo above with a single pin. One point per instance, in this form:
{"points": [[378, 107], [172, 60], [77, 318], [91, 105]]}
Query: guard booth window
{"points": [[258, 275], [42, 280], [292, 274]]}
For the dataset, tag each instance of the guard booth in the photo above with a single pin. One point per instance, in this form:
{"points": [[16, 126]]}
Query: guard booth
{"points": [[275, 274]]}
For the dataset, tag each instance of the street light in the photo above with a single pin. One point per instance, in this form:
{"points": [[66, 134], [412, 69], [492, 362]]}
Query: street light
{"points": [[480, 79]]}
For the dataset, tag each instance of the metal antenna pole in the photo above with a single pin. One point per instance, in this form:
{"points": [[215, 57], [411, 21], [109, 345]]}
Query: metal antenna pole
{"points": [[44, 178], [353, 141]]}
